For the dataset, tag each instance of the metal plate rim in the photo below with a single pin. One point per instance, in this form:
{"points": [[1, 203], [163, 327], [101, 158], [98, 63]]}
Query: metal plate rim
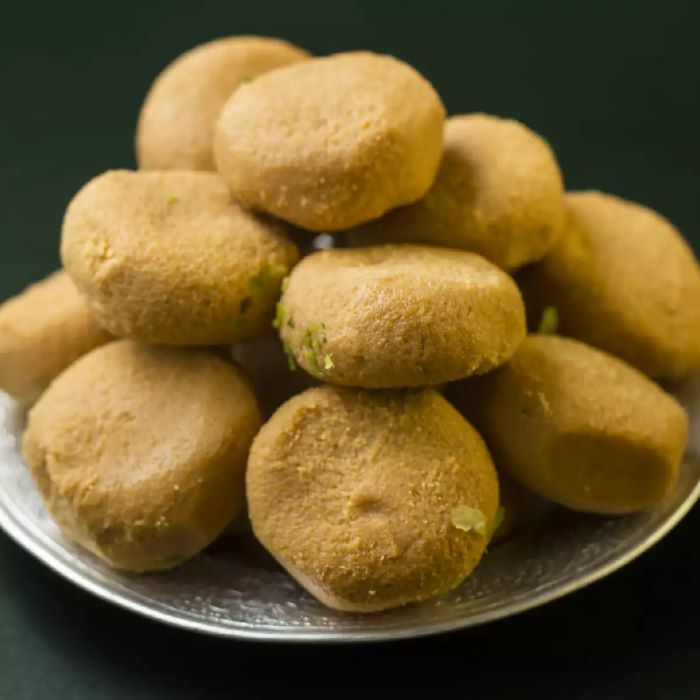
{"points": [[527, 602]]}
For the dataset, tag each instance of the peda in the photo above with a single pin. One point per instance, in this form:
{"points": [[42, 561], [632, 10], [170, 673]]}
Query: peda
{"points": [[399, 316], [176, 124], [498, 193], [371, 500], [42, 331], [139, 451], [167, 257], [622, 279], [581, 428], [331, 142]]}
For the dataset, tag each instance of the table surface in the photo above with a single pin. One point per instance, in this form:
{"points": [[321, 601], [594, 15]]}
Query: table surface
{"points": [[613, 86]]}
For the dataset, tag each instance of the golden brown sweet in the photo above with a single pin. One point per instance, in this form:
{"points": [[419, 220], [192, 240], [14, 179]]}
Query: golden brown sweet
{"points": [[139, 451], [168, 257], [623, 279], [331, 142], [581, 428], [399, 316], [42, 331], [176, 124], [371, 499], [498, 193]]}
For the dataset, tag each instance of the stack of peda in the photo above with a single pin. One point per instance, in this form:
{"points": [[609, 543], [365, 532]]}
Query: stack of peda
{"points": [[371, 489]]}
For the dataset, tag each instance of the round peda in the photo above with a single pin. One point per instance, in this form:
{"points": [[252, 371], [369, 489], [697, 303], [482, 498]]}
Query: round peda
{"points": [[176, 124], [331, 142], [371, 500], [498, 192], [399, 316], [42, 331], [581, 428], [168, 257], [139, 451], [623, 279]]}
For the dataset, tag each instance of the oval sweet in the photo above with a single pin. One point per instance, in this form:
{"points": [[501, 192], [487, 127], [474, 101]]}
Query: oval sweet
{"points": [[371, 500], [139, 451], [580, 427], [331, 142], [399, 316], [167, 257]]}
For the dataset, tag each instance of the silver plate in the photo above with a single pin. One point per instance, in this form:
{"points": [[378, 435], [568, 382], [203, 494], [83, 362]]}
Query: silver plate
{"points": [[233, 590]]}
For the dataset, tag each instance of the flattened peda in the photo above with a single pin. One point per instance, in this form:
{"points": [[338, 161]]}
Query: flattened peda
{"points": [[331, 142], [139, 451], [580, 427], [167, 257], [372, 500], [399, 316]]}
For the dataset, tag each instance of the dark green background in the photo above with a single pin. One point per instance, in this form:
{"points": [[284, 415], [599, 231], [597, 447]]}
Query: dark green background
{"points": [[613, 86]]}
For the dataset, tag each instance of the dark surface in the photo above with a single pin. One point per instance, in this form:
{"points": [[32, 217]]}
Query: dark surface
{"points": [[612, 85]]}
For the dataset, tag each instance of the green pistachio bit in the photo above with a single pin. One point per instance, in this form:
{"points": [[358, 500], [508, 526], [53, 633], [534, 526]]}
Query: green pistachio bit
{"points": [[245, 304], [468, 519], [173, 198], [549, 321], [279, 315], [314, 339], [312, 359], [291, 361], [290, 322], [314, 333], [285, 283], [247, 78]]}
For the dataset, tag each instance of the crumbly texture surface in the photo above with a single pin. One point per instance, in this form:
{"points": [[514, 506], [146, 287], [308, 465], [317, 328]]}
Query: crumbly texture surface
{"points": [[498, 192], [139, 451], [42, 331], [623, 279], [353, 492], [168, 257], [331, 142], [580, 427], [177, 120], [399, 316]]}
